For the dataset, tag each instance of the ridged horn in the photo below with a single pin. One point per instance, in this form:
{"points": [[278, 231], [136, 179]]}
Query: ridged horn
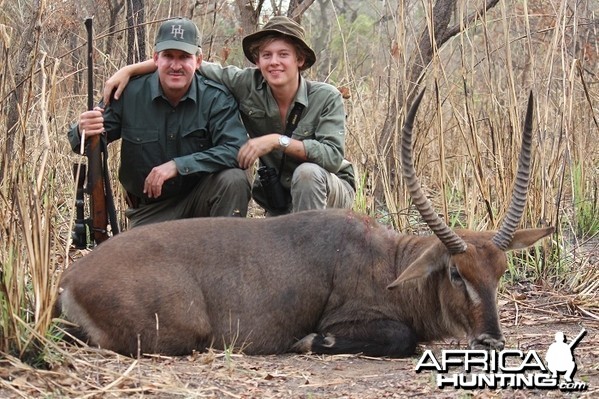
{"points": [[504, 236], [448, 237]]}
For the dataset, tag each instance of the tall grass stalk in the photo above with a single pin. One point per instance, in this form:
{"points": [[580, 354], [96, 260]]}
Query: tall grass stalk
{"points": [[585, 202], [29, 277]]}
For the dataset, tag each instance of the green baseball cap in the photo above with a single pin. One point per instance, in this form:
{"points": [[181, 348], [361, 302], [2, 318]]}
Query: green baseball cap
{"points": [[178, 34]]}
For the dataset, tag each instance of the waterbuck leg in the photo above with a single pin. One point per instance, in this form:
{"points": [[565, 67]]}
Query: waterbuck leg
{"points": [[375, 338]]}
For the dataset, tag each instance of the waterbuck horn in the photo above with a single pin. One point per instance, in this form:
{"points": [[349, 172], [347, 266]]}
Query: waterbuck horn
{"points": [[514, 213], [448, 237]]}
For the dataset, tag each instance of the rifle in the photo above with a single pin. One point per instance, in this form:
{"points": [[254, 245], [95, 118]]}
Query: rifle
{"points": [[98, 182], [576, 340]]}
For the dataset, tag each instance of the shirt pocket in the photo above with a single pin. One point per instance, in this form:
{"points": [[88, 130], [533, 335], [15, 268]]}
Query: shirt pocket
{"points": [[195, 140], [141, 148], [251, 111], [255, 120], [305, 131]]}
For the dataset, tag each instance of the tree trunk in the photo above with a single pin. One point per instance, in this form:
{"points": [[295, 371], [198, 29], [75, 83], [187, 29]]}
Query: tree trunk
{"points": [[115, 8], [297, 8], [321, 39], [249, 15], [250, 11], [136, 32], [16, 102]]}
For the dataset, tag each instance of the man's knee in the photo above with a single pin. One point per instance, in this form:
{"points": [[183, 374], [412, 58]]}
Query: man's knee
{"points": [[233, 178], [309, 188], [308, 174], [312, 187], [228, 193]]}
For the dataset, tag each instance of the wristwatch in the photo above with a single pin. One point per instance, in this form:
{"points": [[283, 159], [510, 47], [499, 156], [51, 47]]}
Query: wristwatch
{"points": [[284, 141]]}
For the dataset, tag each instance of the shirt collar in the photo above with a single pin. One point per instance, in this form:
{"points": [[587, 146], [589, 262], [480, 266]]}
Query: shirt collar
{"points": [[302, 92], [156, 90]]}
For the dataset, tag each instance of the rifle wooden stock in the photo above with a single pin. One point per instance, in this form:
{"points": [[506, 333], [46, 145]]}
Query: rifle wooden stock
{"points": [[95, 184], [95, 176]]}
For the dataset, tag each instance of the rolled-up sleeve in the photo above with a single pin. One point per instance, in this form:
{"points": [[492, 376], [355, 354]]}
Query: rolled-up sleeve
{"points": [[237, 80], [74, 137], [328, 145]]}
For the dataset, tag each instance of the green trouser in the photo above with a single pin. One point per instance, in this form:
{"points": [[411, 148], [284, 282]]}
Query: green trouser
{"points": [[226, 193]]}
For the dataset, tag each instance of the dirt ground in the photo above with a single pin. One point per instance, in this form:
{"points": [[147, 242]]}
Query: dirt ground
{"points": [[530, 318]]}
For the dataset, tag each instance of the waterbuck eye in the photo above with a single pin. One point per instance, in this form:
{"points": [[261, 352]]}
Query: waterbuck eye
{"points": [[454, 274]]}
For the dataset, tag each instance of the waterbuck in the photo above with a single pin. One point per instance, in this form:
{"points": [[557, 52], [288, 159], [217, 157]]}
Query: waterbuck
{"points": [[329, 281]]}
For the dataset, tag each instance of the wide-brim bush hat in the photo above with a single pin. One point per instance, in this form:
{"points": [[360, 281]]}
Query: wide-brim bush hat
{"points": [[282, 26], [178, 34]]}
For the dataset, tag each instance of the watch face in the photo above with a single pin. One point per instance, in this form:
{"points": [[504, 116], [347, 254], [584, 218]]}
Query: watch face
{"points": [[284, 141]]}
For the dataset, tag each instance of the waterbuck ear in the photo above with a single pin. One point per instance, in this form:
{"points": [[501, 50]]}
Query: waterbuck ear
{"points": [[430, 261], [527, 237]]}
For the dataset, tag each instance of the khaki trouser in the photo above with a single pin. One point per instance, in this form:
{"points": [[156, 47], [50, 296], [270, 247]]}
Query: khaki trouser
{"points": [[312, 187], [226, 193]]}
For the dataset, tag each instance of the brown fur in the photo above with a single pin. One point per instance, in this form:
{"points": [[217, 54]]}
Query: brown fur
{"points": [[264, 284]]}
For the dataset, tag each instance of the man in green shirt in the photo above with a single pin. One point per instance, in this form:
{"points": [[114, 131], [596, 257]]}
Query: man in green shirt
{"points": [[305, 158], [180, 136]]}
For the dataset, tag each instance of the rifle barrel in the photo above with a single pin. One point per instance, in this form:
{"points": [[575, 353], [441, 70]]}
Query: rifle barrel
{"points": [[575, 341], [95, 180], [90, 63]]}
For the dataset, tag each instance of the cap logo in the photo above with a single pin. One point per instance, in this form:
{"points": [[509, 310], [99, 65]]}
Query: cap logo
{"points": [[177, 31]]}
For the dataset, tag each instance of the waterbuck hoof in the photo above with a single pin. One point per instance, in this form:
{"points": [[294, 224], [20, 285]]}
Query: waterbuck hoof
{"points": [[304, 345], [487, 342], [328, 341]]}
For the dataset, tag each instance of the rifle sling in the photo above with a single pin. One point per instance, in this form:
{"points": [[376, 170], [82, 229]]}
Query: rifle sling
{"points": [[292, 121], [110, 207]]}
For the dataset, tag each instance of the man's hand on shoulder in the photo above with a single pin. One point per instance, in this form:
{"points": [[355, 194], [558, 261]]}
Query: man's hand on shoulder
{"points": [[116, 83]]}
